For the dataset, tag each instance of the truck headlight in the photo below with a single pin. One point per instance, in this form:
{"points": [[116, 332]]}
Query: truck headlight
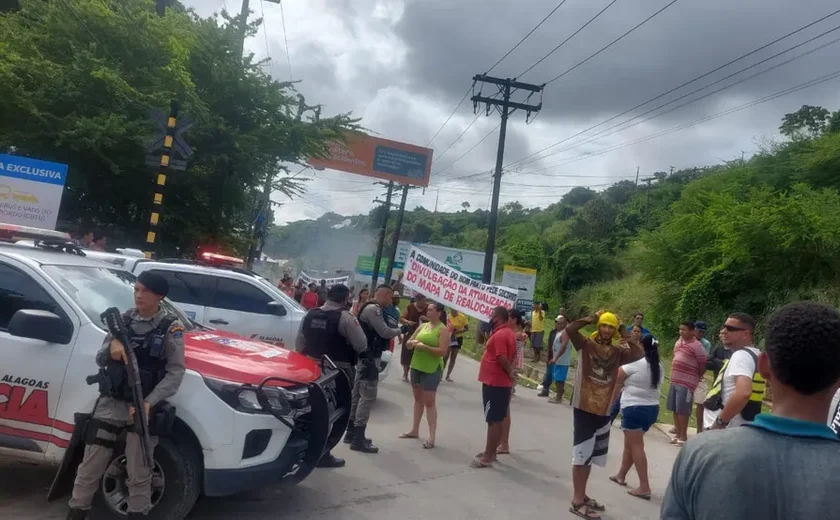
{"points": [[291, 402]]}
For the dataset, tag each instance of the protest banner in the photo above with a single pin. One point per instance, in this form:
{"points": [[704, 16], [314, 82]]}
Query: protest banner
{"points": [[307, 279], [452, 288]]}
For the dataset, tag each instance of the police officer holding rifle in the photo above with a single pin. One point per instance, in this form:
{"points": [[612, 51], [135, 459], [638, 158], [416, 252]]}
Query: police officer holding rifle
{"points": [[141, 364]]}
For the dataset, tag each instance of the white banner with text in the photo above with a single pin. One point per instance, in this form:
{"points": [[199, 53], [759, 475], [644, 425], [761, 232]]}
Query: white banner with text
{"points": [[452, 288], [307, 279]]}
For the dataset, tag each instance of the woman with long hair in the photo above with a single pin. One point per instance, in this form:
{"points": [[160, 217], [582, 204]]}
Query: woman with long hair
{"points": [[517, 323], [637, 388], [430, 344], [364, 296]]}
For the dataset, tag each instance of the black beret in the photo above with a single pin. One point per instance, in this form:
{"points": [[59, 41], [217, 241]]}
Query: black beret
{"points": [[154, 282]]}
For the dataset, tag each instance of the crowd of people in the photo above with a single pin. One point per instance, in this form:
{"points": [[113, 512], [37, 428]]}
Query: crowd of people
{"points": [[618, 371]]}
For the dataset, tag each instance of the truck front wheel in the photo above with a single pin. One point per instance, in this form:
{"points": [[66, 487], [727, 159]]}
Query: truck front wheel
{"points": [[176, 483]]}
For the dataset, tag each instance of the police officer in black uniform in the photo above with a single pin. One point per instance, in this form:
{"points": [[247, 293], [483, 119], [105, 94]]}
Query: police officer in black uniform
{"points": [[332, 330], [158, 338], [378, 329]]}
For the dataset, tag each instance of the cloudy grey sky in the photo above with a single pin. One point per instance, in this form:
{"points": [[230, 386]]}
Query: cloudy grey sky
{"points": [[403, 66]]}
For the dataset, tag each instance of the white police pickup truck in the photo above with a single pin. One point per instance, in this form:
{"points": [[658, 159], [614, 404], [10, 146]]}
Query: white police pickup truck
{"points": [[235, 300], [249, 414]]}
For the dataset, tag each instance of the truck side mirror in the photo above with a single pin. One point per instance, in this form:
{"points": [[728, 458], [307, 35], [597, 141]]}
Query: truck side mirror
{"points": [[43, 325], [276, 308]]}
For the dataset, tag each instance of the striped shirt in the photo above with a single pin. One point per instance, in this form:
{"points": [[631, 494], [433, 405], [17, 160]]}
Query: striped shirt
{"points": [[689, 364]]}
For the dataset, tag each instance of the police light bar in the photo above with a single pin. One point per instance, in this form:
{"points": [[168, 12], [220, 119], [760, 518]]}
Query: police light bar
{"points": [[14, 232], [214, 258]]}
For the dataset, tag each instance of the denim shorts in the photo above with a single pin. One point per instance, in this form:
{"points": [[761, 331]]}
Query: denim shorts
{"points": [[639, 417]]}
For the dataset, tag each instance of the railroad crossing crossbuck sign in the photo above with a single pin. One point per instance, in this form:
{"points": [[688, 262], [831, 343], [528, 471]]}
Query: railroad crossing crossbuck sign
{"points": [[179, 146]]}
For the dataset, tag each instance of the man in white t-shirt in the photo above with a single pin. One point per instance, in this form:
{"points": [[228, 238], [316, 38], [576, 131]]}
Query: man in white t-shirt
{"points": [[736, 387]]}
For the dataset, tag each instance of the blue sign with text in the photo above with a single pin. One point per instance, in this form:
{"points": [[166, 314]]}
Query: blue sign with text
{"points": [[399, 162]]}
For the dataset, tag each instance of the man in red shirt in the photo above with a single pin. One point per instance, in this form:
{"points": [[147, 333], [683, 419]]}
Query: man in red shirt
{"points": [[496, 373]]}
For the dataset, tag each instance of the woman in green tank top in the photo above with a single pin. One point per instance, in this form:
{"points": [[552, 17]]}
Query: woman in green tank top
{"points": [[430, 343]]}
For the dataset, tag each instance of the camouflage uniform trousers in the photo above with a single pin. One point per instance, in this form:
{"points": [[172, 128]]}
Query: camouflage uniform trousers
{"points": [[364, 395], [95, 462]]}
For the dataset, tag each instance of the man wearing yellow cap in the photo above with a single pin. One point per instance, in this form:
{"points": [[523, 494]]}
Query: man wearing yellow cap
{"points": [[599, 357]]}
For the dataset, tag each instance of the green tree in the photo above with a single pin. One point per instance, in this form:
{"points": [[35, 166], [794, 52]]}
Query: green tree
{"points": [[78, 80], [811, 120]]}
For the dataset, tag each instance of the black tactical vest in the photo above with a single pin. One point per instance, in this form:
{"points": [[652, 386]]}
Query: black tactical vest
{"points": [[320, 329], [151, 358], [376, 344]]}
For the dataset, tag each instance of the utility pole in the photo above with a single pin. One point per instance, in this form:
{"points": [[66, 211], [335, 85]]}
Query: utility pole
{"points": [[374, 277], [437, 198], [637, 176], [389, 271], [505, 107], [647, 181], [243, 24]]}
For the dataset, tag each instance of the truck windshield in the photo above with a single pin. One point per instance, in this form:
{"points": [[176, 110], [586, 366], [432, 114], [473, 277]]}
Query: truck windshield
{"points": [[95, 289]]}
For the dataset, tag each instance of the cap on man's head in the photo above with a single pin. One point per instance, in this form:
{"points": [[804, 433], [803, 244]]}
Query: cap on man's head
{"points": [[559, 317], [700, 325], [154, 282]]}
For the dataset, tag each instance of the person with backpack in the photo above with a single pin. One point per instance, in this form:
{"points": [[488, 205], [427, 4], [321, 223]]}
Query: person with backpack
{"points": [[736, 394]]}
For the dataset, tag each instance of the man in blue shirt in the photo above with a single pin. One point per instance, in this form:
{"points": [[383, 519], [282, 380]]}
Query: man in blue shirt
{"points": [[782, 465], [638, 318]]}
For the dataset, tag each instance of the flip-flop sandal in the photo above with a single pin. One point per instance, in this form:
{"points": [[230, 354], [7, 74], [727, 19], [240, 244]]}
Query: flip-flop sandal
{"points": [[638, 495], [679, 444], [594, 504], [617, 481], [502, 452], [481, 455], [584, 511], [428, 445], [476, 463], [408, 436], [449, 380]]}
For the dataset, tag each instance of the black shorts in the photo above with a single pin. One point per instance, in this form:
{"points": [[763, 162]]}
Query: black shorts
{"points": [[459, 342], [496, 402]]}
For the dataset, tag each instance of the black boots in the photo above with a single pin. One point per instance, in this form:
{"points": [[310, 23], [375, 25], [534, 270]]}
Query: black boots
{"points": [[76, 514], [330, 461], [351, 433], [361, 443]]}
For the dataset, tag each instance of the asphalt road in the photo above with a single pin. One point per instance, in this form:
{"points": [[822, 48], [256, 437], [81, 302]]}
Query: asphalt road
{"points": [[404, 481]]}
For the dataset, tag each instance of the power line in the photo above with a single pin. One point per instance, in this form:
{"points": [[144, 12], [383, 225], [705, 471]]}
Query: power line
{"points": [[466, 94], [739, 58], [791, 90], [459, 137], [500, 60], [606, 132], [646, 20], [470, 150], [508, 53], [285, 40], [552, 51], [265, 34]]}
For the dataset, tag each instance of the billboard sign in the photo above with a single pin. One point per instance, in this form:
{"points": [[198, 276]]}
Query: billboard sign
{"points": [[364, 269], [380, 158], [468, 262], [524, 280], [30, 191]]}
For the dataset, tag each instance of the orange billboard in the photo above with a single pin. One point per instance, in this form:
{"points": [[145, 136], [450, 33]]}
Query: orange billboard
{"points": [[380, 158]]}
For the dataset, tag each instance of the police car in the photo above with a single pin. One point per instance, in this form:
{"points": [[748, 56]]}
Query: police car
{"points": [[249, 413], [235, 300]]}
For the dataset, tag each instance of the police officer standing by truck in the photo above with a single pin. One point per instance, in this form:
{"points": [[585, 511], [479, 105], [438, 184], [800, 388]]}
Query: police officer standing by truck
{"points": [[158, 342], [332, 331], [378, 328]]}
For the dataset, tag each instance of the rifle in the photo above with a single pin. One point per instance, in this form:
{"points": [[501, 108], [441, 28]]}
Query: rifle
{"points": [[116, 326]]}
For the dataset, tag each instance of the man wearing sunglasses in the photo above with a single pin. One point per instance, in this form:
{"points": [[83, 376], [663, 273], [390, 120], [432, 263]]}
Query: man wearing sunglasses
{"points": [[728, 400]]}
